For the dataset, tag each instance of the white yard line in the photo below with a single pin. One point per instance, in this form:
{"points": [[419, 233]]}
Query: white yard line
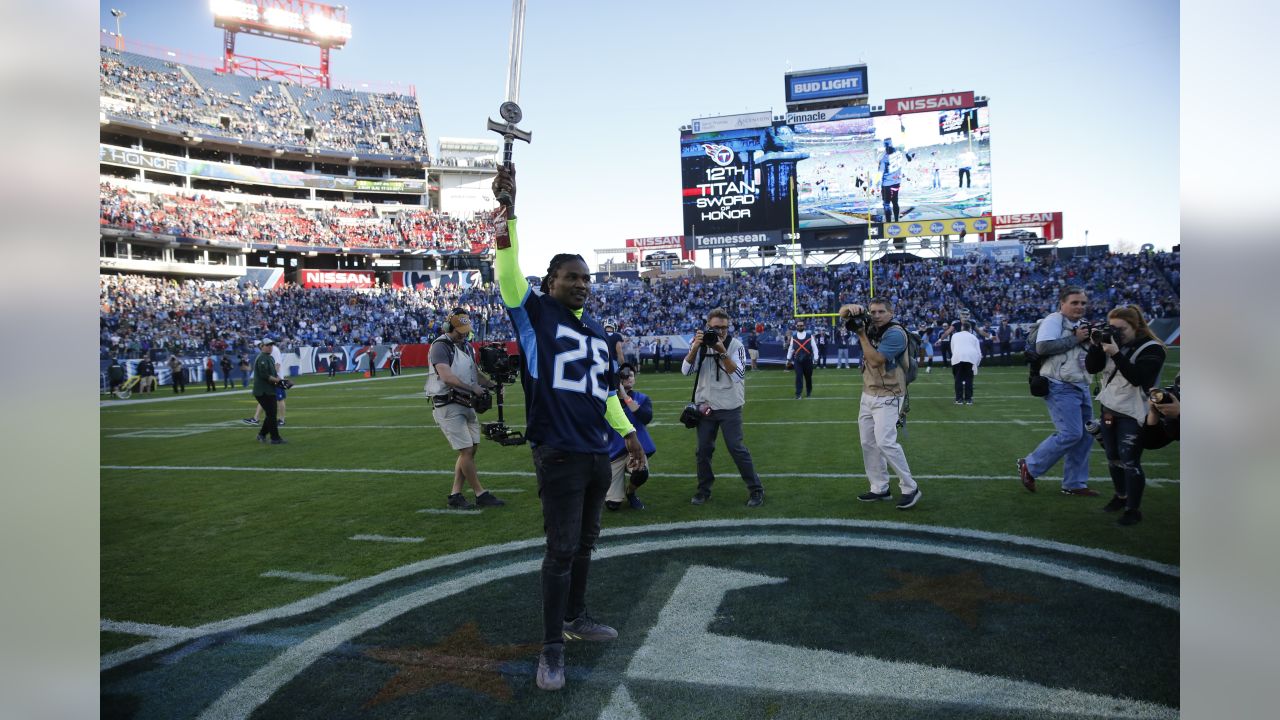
{"points": [[525, 473], [387, 539], [302, 577]]}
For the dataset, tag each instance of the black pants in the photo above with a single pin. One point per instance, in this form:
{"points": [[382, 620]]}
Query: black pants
{"points": [[889, 195], [965, 179], [179, 381], [209, 383], [226, 379], [708, 427], [572, 487], [804, 373], [963, 373], [269, 425], [1122, 438]]}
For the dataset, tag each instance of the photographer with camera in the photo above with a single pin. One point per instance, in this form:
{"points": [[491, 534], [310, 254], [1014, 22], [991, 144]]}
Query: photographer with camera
{"points": [[639, 410], [719, 361], [571, 403], [1130, 357], [454, 385], [884, 388], [966, 356], [1164, 414], [265, 382], [1059, 345]]}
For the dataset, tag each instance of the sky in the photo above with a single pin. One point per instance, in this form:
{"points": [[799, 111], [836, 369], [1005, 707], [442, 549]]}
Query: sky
{"points": [[1083, 95]]}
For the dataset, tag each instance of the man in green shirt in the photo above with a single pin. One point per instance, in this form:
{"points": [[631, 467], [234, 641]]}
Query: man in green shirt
{"points": [[264, 391]]}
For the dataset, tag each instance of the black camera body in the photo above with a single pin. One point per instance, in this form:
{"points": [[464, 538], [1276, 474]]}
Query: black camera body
{"points": [[1164, 396], [496, 362], [693, 414], [501, 433], [1101, 335], [856, 323], [286, 383]]}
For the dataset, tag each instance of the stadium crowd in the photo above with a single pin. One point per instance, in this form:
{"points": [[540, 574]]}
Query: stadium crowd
{"points": [[248, 220], [144, 314], [166, 93]]}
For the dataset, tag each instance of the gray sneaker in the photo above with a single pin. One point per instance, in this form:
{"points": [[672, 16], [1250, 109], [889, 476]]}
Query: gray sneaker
{"points": [[551, 667], [908, 501], [584, 628], [873, 496]]}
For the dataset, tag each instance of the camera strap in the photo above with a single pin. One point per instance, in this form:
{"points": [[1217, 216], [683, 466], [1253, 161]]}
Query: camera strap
{"points": [[697, 373], [1133, 356]]}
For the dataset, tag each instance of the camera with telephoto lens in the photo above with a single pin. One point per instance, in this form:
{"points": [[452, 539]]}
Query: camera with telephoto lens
{"points": [[693, 414], [286, 383], [1163, 396]]}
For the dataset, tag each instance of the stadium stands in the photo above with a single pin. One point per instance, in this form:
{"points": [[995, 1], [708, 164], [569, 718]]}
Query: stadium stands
{"points": [[197, 100], [142, 314], [238, 218]]}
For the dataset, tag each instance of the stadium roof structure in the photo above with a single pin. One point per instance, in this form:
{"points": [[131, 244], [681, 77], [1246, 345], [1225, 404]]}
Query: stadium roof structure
{"points": [[299, 21]]}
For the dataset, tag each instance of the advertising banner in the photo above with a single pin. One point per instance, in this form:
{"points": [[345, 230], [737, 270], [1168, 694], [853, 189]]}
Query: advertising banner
{"points": [[744, 121], [942, 226], [461, 279], [1050, 223], [128, 157], [337, 278], [737, 181], [826, 84], [927, 103], [1003, 250], [756, 239], [828, 114]]}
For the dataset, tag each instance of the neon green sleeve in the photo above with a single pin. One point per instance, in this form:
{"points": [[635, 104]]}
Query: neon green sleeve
{"points": [[617, 418], [506, 265]]}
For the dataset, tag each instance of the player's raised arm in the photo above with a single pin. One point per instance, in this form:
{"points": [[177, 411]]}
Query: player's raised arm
{"points": [[506, 262]]}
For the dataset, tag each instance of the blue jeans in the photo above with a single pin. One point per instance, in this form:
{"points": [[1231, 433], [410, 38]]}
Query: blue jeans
{"points": [[1070, 407], [572, 487]]}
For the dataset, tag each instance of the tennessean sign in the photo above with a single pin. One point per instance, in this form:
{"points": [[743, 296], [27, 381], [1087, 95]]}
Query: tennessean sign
{"points": [[927, 103], [337, 278]]}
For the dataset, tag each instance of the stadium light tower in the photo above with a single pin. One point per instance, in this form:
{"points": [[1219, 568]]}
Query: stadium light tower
{"points": [[299, 21], [117, 14]]}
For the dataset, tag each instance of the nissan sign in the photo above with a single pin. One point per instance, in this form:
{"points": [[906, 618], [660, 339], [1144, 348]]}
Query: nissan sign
{"points": [[927, 103]]}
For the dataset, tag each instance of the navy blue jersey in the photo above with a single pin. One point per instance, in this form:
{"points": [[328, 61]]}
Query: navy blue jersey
{"points": [[568, 375]]}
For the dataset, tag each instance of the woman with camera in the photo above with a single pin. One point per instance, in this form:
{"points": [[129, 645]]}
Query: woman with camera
{"points": [[1130, 358]]}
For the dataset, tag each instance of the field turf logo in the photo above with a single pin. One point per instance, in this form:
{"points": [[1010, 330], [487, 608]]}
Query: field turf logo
{"points": [[729, 619]]}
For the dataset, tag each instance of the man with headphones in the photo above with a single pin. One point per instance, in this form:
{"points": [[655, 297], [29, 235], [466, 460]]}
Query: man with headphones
{"points": [[454, 382]]}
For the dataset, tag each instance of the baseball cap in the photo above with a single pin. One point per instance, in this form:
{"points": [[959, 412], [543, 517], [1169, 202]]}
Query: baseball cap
{"points": [[266, 341], [610, 326]]}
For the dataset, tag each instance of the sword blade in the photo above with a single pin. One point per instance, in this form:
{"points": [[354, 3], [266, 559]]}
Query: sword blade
{"points": [[516, 53]]}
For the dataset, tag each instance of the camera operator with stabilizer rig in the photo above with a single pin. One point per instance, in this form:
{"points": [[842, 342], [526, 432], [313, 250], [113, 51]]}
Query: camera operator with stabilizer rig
{"points": [[1130, 357], [458, 391], [886, 370]]}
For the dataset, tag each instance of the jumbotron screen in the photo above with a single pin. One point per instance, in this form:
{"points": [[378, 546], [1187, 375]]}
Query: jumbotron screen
{"points": [[838, 179], [736, 182]]}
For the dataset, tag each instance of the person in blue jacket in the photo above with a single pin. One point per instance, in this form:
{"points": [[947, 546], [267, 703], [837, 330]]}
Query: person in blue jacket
{"points": [[639, 410]]}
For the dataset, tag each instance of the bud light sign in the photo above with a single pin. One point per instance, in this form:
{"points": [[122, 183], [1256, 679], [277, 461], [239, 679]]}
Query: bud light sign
{"points": [[826, 84]]}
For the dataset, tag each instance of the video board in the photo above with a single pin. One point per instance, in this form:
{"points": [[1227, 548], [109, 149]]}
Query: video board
{"points": [[839, 178], [737, 186]]}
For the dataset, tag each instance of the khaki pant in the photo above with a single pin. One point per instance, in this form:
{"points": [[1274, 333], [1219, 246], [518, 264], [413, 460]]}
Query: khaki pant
{"points": [[618, 487], [878, 431]]}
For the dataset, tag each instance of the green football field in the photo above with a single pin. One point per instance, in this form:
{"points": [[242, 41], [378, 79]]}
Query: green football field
{"points": [[202, 524]]}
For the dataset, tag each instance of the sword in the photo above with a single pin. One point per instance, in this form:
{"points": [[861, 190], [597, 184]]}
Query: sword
{"points": [[510, 110]]}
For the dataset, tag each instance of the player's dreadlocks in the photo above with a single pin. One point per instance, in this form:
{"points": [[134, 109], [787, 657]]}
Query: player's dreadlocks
{"points": [[554, 268]]}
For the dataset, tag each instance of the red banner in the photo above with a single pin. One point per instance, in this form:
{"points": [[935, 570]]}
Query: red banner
{"points": [[337, 278], [928, 103], [1050, 223]]}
